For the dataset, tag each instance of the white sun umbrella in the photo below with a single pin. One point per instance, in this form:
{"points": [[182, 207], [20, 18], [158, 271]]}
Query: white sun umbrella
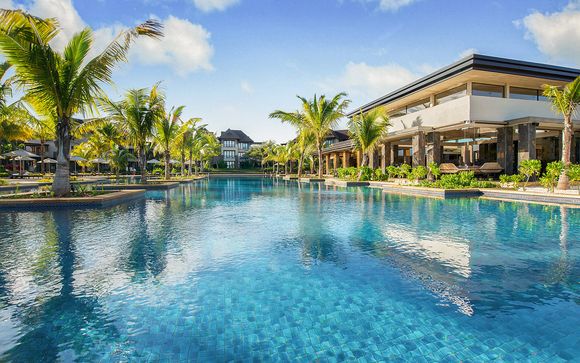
{"points": [[20, 152], [153, 161], [49, 161], [173, 161], [24, 158], [77, 158], [99, 161]]}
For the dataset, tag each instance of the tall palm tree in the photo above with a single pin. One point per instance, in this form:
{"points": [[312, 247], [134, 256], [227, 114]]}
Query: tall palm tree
{"points": [[14, 118], [167, 131], [366, 129], [565, 102], [319, 116], [184, 143], [119, 158], [137, 113], [62, 83]]}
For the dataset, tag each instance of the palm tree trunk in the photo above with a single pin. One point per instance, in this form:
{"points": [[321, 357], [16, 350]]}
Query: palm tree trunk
{"points": [[190, 161], [143, 164], [300, 164], [61, 183], [319, 160], [182, 162], [564, 180], [365, 158], [167, 165], [42, 156], [286, 168]]}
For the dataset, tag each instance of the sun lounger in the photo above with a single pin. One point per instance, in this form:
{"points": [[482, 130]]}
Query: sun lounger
{"points": [[490, 168], [449, 168]]}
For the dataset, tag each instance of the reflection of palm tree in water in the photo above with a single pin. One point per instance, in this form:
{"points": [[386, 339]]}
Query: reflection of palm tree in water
{"points": [[560, 272], [70, 320], [148, 249]]}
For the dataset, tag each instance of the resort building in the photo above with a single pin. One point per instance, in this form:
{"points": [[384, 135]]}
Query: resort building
{"points": [[234, 145], [478, 110]]}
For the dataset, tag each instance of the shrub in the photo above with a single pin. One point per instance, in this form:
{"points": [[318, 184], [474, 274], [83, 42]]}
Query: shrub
{"points": [[574, 172], [418, 173], [434, 170], [157, 171], [454, 181], [404, 170], [482, 184], [380, 176], [529, 168], [4, 174], [3, 182], [347, 173], [366, 173], [393, 171], [550, 178]]}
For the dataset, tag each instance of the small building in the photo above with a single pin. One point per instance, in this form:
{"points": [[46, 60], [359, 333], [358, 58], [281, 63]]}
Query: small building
{"points": [[477, 110], [234, 144]]}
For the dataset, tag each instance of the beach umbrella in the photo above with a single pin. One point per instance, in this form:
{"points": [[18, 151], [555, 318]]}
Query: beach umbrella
{"points": [[49, 161], [77, 158], [153, 161], [173, 161], [99, 161], [20, 152], [24, 158]]}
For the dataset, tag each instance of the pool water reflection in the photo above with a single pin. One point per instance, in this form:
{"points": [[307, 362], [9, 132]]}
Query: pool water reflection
{"points": [[237, 269]]}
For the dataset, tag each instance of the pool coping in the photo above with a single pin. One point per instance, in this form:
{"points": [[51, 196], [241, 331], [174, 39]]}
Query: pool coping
{"points": [[312, 180], [152, 186], [432, 192], [115, 197]]}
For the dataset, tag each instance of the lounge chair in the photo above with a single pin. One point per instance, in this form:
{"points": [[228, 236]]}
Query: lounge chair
{"points": [[449, 168], [490, 168]]}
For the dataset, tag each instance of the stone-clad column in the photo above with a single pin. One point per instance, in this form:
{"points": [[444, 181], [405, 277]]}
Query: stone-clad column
{"points": [[345, 157], [371, 156], [358, 158], [505, 149], [335, 161], [384, 149], [526, 142], [327, 163], [434, 148], [393, 154], [419, 149]]}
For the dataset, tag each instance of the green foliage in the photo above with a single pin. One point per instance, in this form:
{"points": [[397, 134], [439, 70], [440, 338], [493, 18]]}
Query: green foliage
{"points": [[550, 178], [418, 173], [434, 170], [157, 171], [392, 171], [574, 172], [3, 182], [366, 173], [404, 170], [380, 176], [347, 173], [513, 181], [529, 168], [454, 181]]}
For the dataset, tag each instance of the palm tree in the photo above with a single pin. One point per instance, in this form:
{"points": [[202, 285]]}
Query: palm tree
{"points": [[167, 131], [62, 83], [319, 116], [137, 113], [565, 102], [366, 129], [14, 125], [119, 158], [184, 143]]}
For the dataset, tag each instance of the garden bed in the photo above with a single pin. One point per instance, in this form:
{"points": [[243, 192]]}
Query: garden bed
{"points": [[36, 200]]}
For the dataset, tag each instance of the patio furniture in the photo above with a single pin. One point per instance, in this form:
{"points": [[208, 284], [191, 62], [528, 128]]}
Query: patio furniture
{"points": [[449, 168], [490, 168]]}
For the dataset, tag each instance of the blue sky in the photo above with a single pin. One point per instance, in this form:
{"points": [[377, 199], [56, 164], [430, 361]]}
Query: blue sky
{"points": [[232, 62]]}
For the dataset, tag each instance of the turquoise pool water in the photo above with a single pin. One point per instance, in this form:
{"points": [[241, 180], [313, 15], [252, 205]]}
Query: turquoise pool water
{"points": [[262, 270]]}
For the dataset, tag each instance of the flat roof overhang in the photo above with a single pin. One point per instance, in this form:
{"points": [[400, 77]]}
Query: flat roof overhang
{"points": [[482, 63]]}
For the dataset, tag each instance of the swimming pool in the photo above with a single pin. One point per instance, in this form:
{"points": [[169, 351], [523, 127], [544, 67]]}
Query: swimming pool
{"points": [[259, 269]]}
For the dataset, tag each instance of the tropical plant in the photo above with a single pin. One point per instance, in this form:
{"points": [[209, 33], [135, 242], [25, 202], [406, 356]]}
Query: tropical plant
{"points": [[404, 170], [434, 170], [366, 129], [319, 116], [529, 168], [184, 144], [43, 130], [62, 83], [166, 131], [418, 173], [393, 171], [565, 102], [136, 114], [552, 175], [119, 158], [574, 172]]}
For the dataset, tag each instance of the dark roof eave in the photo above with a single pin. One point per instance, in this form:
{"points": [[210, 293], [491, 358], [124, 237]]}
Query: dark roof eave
{"points": [[481, 63]]}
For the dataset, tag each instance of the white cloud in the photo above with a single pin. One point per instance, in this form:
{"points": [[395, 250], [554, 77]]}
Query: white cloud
{"points": [[246, 87], [185, 47], [6, 4], [364, 81], [214, 5], [394, 5], [467, 53], [556, 34]]}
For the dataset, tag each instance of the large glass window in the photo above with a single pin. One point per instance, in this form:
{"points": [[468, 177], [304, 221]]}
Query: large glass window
{"points": [[419, 105], [229, 154], [230, 164], [398, 112], [451, 94], [487, 90], [243, 146], [531, 94], [229, 143]]}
